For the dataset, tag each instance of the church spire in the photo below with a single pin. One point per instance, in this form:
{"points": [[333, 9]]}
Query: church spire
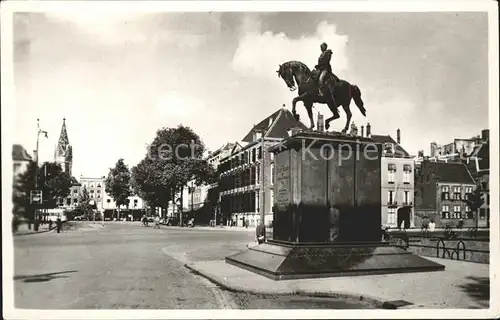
{"points": [[63, 154]]}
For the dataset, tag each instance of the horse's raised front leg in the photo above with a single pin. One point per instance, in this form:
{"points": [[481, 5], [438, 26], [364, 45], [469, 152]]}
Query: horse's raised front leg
{"points": [[294, 103]]}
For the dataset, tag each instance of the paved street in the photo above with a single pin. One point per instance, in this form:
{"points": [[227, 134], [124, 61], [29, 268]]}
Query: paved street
{"points": [[126, 265]]}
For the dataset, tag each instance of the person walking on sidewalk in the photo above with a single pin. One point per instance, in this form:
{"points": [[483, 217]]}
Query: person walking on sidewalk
{"points": [[58, 222], [157, 222]]}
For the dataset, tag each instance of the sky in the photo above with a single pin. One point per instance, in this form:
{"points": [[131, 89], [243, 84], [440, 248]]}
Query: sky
{"points": [[119, 77]]}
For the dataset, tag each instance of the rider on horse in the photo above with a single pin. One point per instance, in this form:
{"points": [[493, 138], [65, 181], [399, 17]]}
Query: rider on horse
{"points": [[323, 67]]}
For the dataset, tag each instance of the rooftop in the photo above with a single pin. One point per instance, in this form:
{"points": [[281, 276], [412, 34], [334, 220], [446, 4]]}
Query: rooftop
{"points": [[399, 151], [450, 172], [20, 154]]}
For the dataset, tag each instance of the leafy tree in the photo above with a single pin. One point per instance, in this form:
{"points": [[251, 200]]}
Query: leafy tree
{"points": [[174, 158], [84, 206], [118, 184], [53, 182], [475, 200]]}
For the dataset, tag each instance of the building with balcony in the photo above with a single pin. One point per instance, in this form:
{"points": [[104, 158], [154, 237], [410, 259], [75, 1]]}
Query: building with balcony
{"points": [[441, 191], [246, 176]]}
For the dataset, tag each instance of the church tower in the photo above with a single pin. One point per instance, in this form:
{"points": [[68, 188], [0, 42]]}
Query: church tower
{"points": [[64, 152]]}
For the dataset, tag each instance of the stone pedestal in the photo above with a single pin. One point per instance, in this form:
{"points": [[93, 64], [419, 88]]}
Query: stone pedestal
{"points": [[327, 212]]}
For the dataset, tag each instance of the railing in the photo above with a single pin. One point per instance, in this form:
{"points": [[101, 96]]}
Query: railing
{"points": [[451, 252]]}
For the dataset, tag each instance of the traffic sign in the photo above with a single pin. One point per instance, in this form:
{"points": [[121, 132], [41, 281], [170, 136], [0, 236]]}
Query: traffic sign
{"points": [[36, 196]]}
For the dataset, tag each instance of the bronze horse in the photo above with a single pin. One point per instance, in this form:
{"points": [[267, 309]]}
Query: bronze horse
{"points": [[343, 92]]}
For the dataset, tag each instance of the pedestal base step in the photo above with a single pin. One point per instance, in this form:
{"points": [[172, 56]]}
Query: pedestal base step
{"points": [[281, 262]]}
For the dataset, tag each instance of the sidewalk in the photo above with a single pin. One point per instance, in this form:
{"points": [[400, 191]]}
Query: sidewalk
{"points": [[461, 285], [24, 230], [207, 228]]}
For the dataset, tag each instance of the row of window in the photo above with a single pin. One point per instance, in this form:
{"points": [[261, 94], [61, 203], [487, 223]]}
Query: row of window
{"points": [[247, 156], [247, 177], [456, 189], [391, 194], [246, 202], [456, 208]]}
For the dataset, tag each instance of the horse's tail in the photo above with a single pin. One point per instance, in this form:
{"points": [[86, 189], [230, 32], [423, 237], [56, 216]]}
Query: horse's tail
{"points": [[356, 96]]}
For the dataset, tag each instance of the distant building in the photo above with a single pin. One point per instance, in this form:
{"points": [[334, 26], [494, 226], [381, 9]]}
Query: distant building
{"points": [[134, 203], [63, 154], [96, 188], [241, 186], [458, 150], [441, 190], [397, 181], [20, 159]]}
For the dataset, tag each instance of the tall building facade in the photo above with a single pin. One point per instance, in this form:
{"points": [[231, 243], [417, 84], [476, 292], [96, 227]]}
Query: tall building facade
{"points": [[397, 181], [247, 175], [63, 154]]}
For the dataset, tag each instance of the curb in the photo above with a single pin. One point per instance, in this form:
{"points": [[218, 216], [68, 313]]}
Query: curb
{"points": [[30, 233], [206, 228], [376, 302]]}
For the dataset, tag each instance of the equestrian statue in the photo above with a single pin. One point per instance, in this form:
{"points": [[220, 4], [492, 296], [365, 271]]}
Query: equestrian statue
{"points": [[320, 86]]}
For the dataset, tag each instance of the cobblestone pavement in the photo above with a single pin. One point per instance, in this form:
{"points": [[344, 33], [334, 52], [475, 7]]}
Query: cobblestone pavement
{"points": [[128, 266]]}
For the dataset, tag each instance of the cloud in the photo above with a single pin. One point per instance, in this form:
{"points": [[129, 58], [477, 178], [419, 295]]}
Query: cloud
{"points": [[259, 53]]}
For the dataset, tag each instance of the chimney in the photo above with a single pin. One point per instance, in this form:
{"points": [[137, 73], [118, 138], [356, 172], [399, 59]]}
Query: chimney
{"points": [[368, 130], [485, 135], [362, 131], [320, 124], [398, 136]]}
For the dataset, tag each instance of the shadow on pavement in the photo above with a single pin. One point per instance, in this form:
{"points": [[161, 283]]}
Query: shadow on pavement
{"points": [[43, 277], [478, 288]]}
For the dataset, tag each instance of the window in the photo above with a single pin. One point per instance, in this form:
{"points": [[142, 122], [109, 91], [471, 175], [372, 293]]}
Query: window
{"points": [[75, 201], [445, 192], [391, 216], [468, 189], [272, 173], [108, 200], [98, 191], [391, 172], [98, 185], [445, 212], [406, 174], [257, 174], [68, 201], [253, 154], [75, 191], [390, 197], [135, 201], [457, 192], [257, 201], [407, 197]]}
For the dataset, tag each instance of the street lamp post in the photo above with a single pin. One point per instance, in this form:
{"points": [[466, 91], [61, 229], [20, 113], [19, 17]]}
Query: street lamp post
{"points": [[39, 131]]}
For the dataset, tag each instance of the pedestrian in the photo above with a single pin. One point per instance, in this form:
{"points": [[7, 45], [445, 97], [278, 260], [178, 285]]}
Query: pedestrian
{"points": [[261, 233], [157, 222], [432, 226], [58, 222], [50, 224]]}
